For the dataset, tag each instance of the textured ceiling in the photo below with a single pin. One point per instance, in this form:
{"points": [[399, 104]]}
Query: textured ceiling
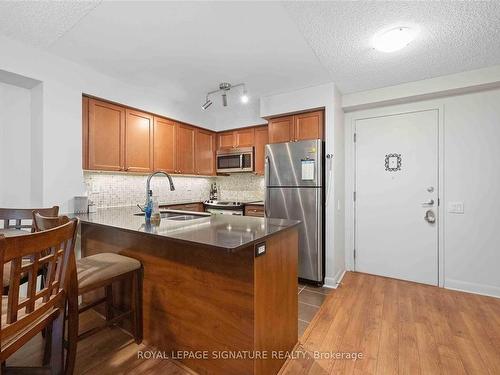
{"points": [[41, 23], [454, 36], [186, 48]]}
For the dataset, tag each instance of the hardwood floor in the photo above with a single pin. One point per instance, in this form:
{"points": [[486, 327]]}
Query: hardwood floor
{"points": [[399, 327]]}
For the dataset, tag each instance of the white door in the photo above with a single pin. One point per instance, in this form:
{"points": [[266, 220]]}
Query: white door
{"points": [[396, 232]]}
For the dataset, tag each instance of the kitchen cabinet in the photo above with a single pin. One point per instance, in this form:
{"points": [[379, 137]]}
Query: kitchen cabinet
{"points": [[164, 140], [85, 133], [254, 210], [281, 129], [185, 149], [261, 140], [204, 152], [308, 126], [300, 127], [138, 141], [105, 141], [236, 138], [226, 140]]}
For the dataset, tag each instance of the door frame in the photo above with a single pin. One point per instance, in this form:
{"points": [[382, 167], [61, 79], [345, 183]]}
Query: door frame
{"points": [[350, 154]]}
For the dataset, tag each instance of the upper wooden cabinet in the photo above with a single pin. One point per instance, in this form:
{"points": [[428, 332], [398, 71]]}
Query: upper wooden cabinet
{"points": [[226, 140], [105, 136], [138, 141], [281, 129], [204, 152], [245, 137], [236, 138], [185, 149], [164, 155], [309, 126], [261, 140], [300, 127]]}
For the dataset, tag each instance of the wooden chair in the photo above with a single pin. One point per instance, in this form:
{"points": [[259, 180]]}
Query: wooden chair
{"points": [[23, 318], [16, 221], [100, 271]]}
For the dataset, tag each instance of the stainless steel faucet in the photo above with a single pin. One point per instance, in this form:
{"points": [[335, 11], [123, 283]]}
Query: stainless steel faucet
{"points": [[148, 183]]}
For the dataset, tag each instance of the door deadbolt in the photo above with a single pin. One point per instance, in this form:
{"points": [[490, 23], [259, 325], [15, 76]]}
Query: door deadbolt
{"points": [[430, 189], [430, 217]]}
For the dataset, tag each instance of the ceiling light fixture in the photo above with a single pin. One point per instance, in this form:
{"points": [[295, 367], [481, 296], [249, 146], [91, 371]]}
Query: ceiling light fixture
{"points": [[207, 103], [225, 87], [394, 39]]}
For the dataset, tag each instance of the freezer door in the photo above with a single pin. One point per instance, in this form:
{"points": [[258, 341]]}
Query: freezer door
{"points": [[302, 204], [294, 163]]}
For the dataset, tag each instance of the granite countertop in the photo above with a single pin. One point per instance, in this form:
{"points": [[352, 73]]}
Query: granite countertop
{"points": [[225, 232]]}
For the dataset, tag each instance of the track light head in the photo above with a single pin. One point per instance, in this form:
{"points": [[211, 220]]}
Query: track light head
{"points": [[207, 104]]}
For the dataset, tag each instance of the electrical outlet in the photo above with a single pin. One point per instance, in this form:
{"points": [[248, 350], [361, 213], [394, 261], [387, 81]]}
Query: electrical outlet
{"points": [[456, 207]]}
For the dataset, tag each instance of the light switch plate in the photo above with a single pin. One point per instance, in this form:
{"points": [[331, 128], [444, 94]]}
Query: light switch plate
{"points": [[456, 207]]}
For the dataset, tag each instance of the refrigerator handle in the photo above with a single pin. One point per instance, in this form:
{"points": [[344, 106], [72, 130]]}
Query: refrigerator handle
{"points": [[267, 170]]}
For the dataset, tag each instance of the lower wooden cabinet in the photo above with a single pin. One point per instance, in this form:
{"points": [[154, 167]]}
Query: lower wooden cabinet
{"points": [[254, 210]]}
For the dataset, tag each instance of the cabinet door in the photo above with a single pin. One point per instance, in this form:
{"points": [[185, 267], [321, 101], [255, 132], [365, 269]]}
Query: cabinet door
{"points": [[226, 140], [281, 129], [261, 140], [244, 137], [185, 149], [106, 136], [309, 126], [204, 152], [138, 141], [85, 133], [164, 145]]}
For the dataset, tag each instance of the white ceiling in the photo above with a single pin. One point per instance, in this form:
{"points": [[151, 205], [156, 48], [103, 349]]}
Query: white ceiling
{"points": [[454, 36], [187, 48]]}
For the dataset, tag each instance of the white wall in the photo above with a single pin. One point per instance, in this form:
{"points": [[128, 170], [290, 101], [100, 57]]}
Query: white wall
{"points": [[471, 174], [238, 115], [15, 146], [63, 83], [328, 97]]}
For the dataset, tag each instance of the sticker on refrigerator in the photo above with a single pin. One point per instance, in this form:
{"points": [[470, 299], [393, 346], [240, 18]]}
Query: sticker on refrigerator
{"points": [[308, 169]]}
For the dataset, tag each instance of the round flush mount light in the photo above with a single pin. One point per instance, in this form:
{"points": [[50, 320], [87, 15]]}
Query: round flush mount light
{"points": [[394, 39]]}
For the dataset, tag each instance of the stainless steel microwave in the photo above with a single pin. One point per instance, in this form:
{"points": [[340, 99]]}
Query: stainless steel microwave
{"points": [[235, 160]]}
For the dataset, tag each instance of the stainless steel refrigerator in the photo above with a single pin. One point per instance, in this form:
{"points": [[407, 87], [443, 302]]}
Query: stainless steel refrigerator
{"points": [[294, 177]]}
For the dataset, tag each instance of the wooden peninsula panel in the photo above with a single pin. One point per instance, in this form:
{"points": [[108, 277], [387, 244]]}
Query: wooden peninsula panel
{"points": [[198, 298]]}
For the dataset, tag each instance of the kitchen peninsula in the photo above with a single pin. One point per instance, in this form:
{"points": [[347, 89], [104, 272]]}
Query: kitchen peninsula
{"points": [[214, 284]]}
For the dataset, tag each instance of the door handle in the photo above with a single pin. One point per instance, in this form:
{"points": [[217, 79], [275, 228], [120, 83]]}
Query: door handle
{"points": [[430, 217], [428, 203], [267, 170]]}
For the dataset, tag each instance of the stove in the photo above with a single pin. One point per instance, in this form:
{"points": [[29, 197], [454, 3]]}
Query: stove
{"points": [[224, 207]]}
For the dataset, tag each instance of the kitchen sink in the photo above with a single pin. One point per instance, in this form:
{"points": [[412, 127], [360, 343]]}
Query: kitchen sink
{"points": [[176, 216]]}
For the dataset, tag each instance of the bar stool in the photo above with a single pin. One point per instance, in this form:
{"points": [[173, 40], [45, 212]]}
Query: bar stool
{"points": [[100, 271], [24, 318]]}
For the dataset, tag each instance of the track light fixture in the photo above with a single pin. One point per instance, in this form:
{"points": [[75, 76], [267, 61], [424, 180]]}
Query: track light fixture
{"points": [[224, 87], [207, 103]]}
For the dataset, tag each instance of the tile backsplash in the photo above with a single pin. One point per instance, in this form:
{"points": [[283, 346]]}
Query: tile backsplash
{"points": [[107, 189], [243, 187]]}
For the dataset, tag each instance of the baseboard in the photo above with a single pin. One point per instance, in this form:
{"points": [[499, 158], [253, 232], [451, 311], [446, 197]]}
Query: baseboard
{"points": [[333, 282], [464, 286]]}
